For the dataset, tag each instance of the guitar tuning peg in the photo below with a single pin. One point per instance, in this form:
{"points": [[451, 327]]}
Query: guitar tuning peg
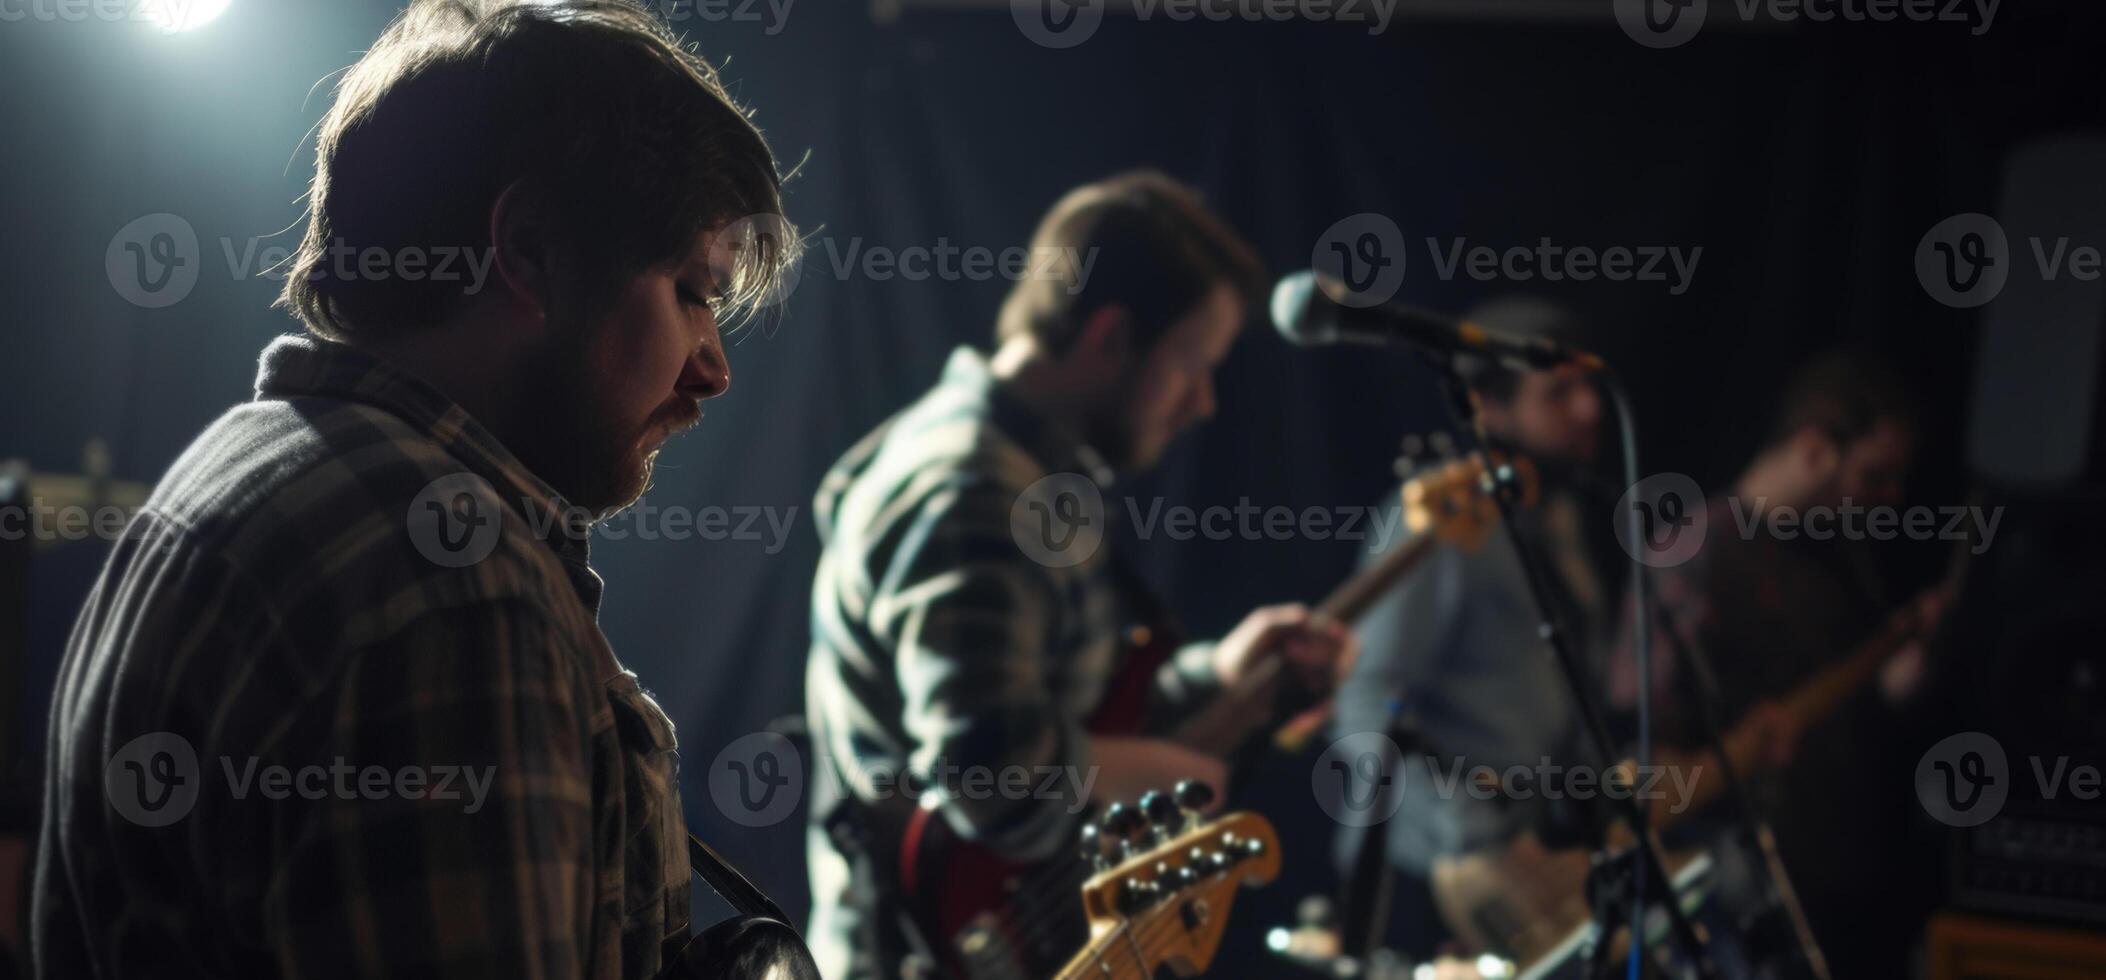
{"points": [[1411, 452], [1124, 824], [1134, 895], [1161, 810], [1091, 846], [1193, 795]]}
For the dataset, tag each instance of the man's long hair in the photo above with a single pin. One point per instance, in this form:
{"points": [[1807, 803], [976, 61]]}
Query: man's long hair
{"points": [[626, 138]]}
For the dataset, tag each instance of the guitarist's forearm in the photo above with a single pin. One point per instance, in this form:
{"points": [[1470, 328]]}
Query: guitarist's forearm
{"points": [[1689, 780]]}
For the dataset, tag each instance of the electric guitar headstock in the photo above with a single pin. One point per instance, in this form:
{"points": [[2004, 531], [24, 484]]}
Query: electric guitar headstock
{"points": [[1165, 880], [1449, 494]]}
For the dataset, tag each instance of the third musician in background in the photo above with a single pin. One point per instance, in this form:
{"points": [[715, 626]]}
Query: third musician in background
{"points": [[1775, 609]]}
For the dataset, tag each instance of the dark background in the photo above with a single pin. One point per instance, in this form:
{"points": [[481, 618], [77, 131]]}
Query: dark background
{"points": [[1807, 160]]}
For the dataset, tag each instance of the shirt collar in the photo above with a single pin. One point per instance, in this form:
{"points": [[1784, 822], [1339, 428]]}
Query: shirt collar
{"points": [[1056, 448], [299, 366]]}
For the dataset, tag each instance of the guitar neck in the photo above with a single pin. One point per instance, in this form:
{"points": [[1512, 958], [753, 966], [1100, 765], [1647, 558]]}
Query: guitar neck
{"points": [[1820, 696], [1224, 723], [1813, 701], [1110, 955]]}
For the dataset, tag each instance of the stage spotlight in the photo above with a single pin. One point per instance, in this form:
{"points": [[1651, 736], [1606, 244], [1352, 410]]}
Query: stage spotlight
{"points": [[173, 16]]}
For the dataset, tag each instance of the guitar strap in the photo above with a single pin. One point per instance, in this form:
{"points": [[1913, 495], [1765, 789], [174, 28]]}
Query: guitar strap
{"points": [[733, 887], [758, 942]]}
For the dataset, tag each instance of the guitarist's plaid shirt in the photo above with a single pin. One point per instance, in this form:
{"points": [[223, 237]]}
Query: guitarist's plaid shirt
{"points": [[939, 645], [270, 606]]}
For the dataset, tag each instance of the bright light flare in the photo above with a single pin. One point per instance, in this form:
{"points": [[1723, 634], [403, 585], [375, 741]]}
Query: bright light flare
{"points": [[174, 16]]}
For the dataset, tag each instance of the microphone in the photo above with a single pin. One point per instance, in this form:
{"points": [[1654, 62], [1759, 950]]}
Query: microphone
{"points": [[1305, 313]]}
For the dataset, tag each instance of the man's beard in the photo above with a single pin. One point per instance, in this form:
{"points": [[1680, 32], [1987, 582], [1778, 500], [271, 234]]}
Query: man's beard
{"points": [[1111, 428], [594, 461], [1111, 435]]}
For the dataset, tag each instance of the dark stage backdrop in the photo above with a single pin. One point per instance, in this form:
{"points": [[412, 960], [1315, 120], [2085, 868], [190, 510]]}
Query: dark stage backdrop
{"points": [[1805, 162]]}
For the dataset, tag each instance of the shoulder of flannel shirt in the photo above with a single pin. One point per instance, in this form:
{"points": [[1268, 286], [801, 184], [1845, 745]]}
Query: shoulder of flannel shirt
{"points": [[349, 522]]}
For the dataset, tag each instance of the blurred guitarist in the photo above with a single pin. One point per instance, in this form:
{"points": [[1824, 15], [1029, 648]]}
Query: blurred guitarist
{"points": [[1773, 607], [966, 625], [1454, 650]]}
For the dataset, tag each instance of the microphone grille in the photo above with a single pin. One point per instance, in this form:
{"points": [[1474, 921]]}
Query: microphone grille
{"points": [[1291, 303]]}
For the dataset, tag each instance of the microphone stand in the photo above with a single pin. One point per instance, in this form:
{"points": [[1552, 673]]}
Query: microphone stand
{"points": [[1755, 834], [1616, 885], [1370, 887]]}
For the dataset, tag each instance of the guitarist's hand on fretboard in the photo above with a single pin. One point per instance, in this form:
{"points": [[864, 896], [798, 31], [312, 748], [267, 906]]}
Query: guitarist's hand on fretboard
{"points": [[1918, 619], [1765, 738], [1316, 648]]}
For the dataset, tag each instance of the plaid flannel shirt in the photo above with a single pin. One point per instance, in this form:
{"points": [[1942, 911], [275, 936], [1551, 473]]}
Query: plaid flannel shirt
{"points": [[941, 647], [294, 645]]}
